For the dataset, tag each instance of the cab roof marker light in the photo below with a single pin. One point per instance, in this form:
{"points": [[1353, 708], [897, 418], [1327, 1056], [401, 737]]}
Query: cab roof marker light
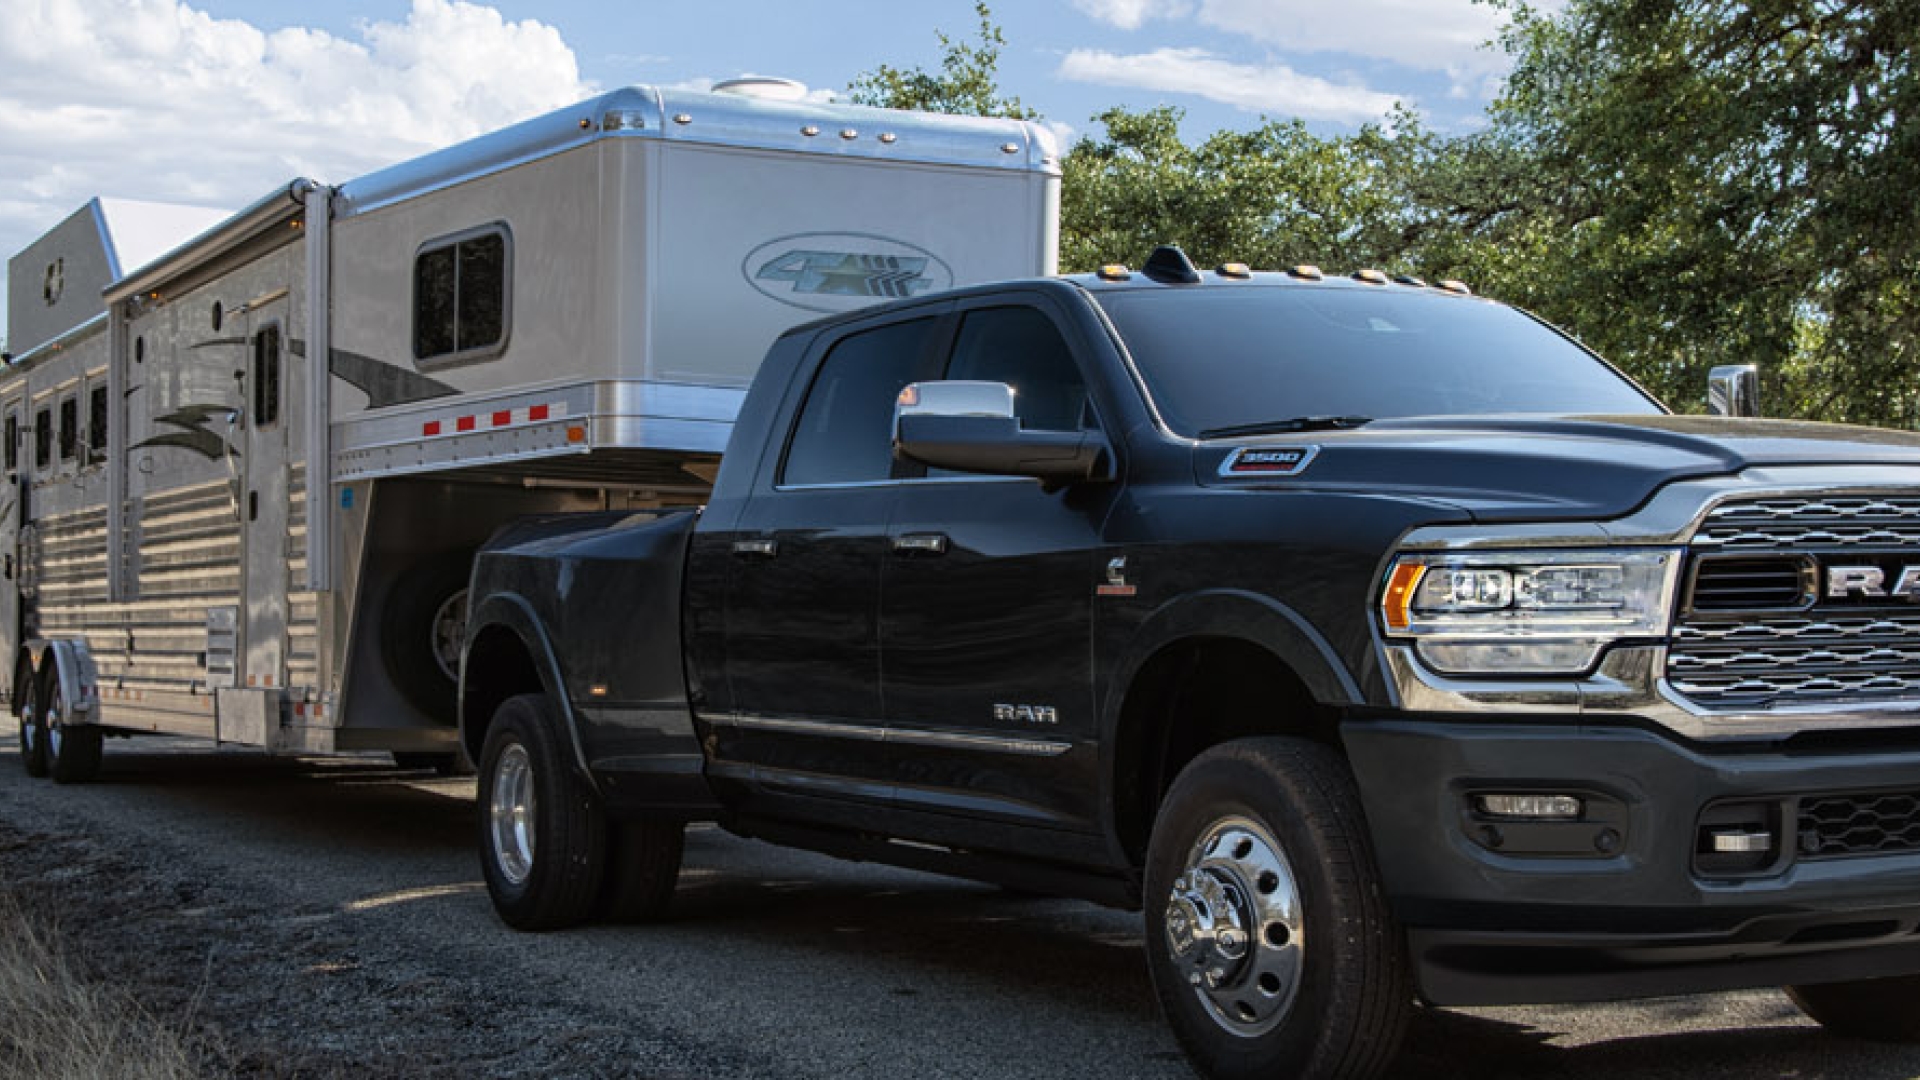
{"points": [[1306, 271], [1454, 286], [1371, 277], [1234, 270], [1409, 279], [1115, 272]]}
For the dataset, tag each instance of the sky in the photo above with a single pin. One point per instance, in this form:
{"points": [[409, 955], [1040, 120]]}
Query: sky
{"points": [[217, 102]]}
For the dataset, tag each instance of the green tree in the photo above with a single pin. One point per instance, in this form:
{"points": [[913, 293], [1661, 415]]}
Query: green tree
{"points": [[1692, 182], [966, 83], [1275, 196]]}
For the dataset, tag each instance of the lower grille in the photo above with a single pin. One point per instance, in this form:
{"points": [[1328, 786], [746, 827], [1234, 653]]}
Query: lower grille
{"points": [[1876, 823]]}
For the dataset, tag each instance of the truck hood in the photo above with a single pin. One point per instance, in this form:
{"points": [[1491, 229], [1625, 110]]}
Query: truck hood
{"points": [[1532, 468]]}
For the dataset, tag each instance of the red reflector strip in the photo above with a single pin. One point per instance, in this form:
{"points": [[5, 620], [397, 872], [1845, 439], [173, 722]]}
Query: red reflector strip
{"points": [[498, 418]]}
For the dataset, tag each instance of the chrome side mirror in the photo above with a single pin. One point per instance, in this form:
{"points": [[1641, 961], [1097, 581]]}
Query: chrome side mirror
{"points": [[1734, 390]]}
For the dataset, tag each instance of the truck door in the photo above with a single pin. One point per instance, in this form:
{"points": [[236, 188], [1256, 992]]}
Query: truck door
{"points": [[803, 594], [13, 508], [262, 500], [986, 612]]}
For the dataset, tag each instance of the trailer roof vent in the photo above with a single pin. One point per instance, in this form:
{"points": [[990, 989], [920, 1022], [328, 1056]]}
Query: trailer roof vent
{"points": [[1169, 265], [763, 86]]}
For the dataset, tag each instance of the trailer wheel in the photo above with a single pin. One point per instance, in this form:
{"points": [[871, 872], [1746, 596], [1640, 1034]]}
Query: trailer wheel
{"points": [[1883, 1010], [422, 630], [643, 865], [73, 750], [33, 734], [1268, 938], [543, 837]]}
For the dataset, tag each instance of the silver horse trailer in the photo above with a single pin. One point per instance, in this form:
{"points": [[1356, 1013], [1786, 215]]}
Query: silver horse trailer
{"points": [[216, 534]]}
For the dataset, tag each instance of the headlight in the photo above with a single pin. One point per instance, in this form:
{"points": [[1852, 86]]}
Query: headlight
{"points": [[1526, 612]]}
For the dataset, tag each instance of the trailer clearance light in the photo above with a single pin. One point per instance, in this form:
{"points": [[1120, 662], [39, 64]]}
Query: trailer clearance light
{"points": [[1526, 612]]}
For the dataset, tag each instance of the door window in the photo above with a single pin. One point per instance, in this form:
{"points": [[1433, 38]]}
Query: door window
{"points": [[845, 431]]}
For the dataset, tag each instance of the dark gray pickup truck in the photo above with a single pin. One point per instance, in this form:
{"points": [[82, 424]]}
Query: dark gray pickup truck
{"points": [[1377, 641]]}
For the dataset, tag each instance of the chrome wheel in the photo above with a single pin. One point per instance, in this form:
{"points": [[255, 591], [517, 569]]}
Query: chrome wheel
{"points": [[52, 721], [512, 814], [1233, 926], [449, 628]]}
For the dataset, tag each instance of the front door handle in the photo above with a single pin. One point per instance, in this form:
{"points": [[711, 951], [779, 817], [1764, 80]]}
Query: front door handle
{"points": [[764, 549], [920, 544]]}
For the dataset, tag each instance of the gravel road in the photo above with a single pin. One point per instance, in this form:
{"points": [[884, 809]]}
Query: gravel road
{"points": [[324, 917]]}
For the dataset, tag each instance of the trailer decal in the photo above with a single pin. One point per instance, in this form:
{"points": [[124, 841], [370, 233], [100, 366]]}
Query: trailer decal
{"points": [[839, 271], [196, 436], [384, 384]]}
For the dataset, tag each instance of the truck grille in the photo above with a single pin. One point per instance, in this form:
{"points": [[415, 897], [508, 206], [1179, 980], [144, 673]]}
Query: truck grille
{"points": [[1755, 633], [1832, 826]]}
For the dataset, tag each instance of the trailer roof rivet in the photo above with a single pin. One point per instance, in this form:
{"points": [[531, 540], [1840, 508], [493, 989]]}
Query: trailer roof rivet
{"points": [[889, 138], [1010, 148], [682, 118], [810, 130], [849, 133]]}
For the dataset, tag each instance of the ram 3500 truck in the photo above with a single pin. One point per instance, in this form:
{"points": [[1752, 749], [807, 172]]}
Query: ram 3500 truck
{"points": [[1378, 641]]}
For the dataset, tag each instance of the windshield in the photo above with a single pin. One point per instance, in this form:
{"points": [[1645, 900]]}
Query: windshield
{"points": [[1246, 357]]}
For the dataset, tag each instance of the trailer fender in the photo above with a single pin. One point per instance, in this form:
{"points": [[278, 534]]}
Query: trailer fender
{"points": [[512, 613], [78, 676]]}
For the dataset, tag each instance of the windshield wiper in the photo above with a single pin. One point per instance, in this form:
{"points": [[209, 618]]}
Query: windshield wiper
{"points": [[1280, 427]]}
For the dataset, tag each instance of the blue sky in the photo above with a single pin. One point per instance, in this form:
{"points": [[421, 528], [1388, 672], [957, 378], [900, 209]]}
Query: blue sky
{"points": [[215, 102]]}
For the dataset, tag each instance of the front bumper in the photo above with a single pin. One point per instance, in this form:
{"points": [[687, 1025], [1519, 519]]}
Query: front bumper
{"points": [[1622, 901]]}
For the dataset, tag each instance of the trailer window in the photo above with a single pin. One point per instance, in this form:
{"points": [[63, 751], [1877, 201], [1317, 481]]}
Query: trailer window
{"points": [[43, 438], [69, 429], [266, 376], [460, 296], [97, 421], [13, 441]]}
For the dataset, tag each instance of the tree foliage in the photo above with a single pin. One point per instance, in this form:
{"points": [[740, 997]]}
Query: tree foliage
{"points": [[1680, 183], [967, 83], [1715, 181]]}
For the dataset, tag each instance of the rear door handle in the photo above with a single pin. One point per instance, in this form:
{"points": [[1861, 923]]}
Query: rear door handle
{"points": [[920, 544], [765, 549]]}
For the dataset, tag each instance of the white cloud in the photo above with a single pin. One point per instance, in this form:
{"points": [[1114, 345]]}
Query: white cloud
{"points": [[1131, 14], [156, 99], [1274, 89], [1430, 35]]}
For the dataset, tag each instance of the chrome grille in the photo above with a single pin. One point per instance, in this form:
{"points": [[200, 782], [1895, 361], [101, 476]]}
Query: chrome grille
{"points": [[1740, 651], [1802, 524]]}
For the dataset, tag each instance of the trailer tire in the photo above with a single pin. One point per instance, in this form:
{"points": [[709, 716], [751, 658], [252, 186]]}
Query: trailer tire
{"points": [[73, 750], [543, 837], [1881, 1010], [420, 633], [1269, 941], [33, 733], [643, 866]]}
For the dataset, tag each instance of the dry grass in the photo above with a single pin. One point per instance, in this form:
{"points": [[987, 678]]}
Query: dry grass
{"points": [[55, 1025]]}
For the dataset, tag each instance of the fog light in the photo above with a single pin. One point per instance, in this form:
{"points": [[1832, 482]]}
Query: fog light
{"points": [[1529, 807]]}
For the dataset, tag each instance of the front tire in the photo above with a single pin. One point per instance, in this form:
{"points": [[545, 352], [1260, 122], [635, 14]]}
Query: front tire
{"points": [[1883, 1010], [1268, 937], [543, 837]]}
